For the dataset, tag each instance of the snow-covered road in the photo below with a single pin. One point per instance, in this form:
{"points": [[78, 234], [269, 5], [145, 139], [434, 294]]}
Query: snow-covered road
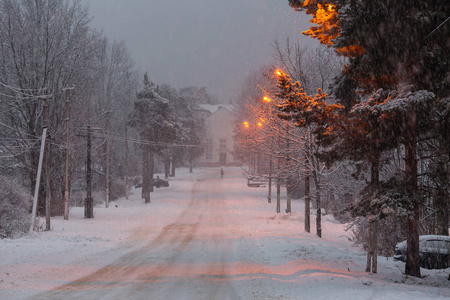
{"points": [[201, 238], [189, 258]]}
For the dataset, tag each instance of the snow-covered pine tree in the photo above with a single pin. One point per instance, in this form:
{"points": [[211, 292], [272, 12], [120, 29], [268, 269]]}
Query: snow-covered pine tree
{"points": [[312, 113], [153, 117], [390, 45]]}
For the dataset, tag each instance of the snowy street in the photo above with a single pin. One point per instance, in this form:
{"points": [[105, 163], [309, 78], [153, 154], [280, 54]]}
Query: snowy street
{"points": [[201, 238]]}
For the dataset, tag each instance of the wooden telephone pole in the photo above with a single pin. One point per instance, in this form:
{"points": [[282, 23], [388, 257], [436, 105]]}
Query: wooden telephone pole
{"points": [[47, 167], [89, 201], [67, 186], [107, 159]]}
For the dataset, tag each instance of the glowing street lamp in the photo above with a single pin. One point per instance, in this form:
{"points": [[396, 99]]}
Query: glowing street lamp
{"points": [[267, 99], [279, 72], [246, 124]]}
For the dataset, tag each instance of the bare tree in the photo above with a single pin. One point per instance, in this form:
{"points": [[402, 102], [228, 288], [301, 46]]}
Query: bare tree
{"points": [[314, 68], [46, 45]]}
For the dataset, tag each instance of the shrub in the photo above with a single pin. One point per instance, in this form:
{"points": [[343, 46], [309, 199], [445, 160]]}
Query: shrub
{"points": [[15, 204], [118, 189]]}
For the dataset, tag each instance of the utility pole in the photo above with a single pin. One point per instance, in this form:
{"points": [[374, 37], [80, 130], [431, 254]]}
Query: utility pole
{"points": [[89, 202], [38, 180], [107, 160], [126, 161], [47, 167], [67, 187]]}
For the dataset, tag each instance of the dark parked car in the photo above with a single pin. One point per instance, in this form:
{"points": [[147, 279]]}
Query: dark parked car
{"points": [[156, 183], [160, 183], [434, 251]]}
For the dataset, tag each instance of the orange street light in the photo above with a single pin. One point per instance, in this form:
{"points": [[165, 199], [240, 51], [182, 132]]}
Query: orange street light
{"points": [[260, 124], [279, 72], [246, 125], [267, 99]]}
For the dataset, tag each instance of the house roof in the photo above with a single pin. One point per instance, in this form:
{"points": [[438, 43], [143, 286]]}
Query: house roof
{"points": [[212, 108]]}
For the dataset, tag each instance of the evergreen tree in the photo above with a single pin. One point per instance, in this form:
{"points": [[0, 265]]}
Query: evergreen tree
{"points": [[307, 112], [402, 48], [153, 117], [190, 128]]}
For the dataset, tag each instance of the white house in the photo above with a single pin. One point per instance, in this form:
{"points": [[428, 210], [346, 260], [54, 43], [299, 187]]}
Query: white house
{"points": [[219, 143]]}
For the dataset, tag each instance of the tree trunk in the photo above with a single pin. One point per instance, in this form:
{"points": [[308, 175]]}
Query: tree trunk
{"points": [[319, 215], [307, 206], [166, 168], [412, 266], [172, 171], [278, 196], [318, 205], [372, 246], [269, 193], [152, 169], [442, 208], [146, 173], [441, 202], [288, 195], [375, 247]]}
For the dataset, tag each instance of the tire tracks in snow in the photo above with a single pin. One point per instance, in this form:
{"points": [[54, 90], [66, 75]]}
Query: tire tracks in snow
{"points": [[173, 263]]}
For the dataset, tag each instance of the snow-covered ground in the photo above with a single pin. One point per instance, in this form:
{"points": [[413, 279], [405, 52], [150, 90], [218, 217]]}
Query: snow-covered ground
{"points": [[201, 238]]}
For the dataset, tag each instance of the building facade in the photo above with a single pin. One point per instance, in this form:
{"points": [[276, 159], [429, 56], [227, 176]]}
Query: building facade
{"points": [[219, 143]]}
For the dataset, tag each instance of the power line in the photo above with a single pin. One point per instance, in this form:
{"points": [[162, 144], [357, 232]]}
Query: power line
{"points": [[145, 142], [436, 28], [17, 107], [9, 127], [24, 151]]}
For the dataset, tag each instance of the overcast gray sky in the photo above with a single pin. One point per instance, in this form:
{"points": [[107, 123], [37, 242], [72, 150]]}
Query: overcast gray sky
{"points": [[199, 42]]}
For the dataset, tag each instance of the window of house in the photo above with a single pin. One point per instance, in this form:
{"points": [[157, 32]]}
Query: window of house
{"points": [[208, 149], [223, 144]]}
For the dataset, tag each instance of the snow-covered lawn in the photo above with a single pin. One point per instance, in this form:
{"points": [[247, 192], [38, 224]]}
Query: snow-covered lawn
{"points": [[271, 255]]}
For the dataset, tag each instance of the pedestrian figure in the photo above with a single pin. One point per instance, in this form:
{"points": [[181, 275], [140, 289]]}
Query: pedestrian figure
{"points": [[221, 173]]}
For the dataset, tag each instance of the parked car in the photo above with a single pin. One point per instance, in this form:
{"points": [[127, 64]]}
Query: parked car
{"points": [[157, 182], [160, 183], [434, 251]]}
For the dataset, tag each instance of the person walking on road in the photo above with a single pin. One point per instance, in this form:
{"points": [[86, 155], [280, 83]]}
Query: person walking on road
{"points": [[221, 173]]}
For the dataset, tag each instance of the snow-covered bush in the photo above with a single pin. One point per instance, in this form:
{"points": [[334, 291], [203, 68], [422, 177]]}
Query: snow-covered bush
{"points": [[15, 204], [391, 230], [77, 198], [118, 189]]}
